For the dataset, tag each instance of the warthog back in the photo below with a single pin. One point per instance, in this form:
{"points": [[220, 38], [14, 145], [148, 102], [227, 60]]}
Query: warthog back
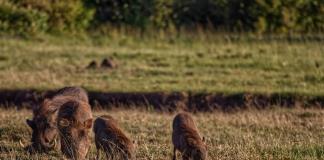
{"points": [[110, 138]]}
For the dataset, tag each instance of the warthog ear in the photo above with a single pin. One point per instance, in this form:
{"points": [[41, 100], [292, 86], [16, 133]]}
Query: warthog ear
{"points": [[45, 101], [64, 122], [204, 141], [88, 123], [135, 143], [31, 123], [53, 109]]}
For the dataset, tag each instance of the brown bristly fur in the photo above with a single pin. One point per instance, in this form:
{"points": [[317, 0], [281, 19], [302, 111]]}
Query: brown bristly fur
{"points": [[74, 123], [110, 138], [186, 138], [43, 123]]}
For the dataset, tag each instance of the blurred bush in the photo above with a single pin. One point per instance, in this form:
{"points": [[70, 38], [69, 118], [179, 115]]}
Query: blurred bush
{"points": [[136, 13], [263, 16], [279, 16], [50, 15], [19, 20]]}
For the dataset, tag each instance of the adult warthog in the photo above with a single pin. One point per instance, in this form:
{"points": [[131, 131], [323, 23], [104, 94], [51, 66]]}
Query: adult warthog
{"points": [[44, 123]]}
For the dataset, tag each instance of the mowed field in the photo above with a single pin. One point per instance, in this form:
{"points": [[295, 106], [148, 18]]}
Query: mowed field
{"points": [[198, 64], [264, 134]]}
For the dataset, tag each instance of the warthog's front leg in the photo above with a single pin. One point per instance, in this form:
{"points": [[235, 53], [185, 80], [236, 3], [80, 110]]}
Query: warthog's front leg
{"points": [[174, 153]]}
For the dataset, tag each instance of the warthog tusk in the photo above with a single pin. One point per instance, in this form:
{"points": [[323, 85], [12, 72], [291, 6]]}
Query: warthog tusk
{"points": [[55, 143], [21, 143]]}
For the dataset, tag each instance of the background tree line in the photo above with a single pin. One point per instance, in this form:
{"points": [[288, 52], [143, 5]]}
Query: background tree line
{"points": [[263, 16]]}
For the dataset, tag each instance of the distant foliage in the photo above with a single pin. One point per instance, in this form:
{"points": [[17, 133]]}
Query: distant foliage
{"points": [[63, 15], [263, 16], [252, 15], [49, 15], [290, 15], [279, 16], [136, 13], [20, 20]]}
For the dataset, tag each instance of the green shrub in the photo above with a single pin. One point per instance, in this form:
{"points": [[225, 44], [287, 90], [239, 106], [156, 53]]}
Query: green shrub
{"points": [[161, 16], [263, 16], [123, 12], [31, 16], [19, 20], [311, 15], [280, 16], [63, 15]]}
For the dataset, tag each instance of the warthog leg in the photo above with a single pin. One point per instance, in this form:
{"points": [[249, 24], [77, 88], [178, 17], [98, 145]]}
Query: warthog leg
{"points": [[174, 153]]}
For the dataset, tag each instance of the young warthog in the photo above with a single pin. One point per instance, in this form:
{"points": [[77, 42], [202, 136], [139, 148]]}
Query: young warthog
{"points": [[74, 123], [186, 139], [43, 123], [110, 138]]}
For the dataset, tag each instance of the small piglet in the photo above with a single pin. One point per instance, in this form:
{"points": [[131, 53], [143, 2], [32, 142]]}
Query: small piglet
{"points": [[111, 139], [186, 138]]}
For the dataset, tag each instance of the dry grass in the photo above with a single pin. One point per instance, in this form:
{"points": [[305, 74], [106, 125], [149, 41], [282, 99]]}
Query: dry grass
{"points": [[266, 134]]}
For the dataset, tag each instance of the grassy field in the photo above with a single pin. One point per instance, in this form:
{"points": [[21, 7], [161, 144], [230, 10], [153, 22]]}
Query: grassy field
{"points": [[198, 64], [268, 134]]}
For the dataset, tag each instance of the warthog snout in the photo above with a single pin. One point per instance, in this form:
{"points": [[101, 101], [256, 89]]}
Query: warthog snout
{"points": [[43, 135]]}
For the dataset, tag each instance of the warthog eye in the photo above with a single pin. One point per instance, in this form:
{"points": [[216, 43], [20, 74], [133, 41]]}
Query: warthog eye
{"points": [[48, 125]]}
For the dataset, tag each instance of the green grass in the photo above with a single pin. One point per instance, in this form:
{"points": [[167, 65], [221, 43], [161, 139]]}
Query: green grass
{"points": [[267, 134], [199, 64]]}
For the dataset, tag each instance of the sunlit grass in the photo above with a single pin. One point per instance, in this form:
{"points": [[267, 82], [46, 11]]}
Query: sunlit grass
{"points": [[252, 134]]}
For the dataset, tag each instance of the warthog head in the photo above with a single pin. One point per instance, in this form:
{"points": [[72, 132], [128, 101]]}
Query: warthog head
{"points": [[43, 125], [44, 122], [74, 124], [196, 153]]}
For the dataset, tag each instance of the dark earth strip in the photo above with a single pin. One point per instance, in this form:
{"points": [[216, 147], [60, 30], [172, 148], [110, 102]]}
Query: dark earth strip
{"points": [[169, 101]]}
